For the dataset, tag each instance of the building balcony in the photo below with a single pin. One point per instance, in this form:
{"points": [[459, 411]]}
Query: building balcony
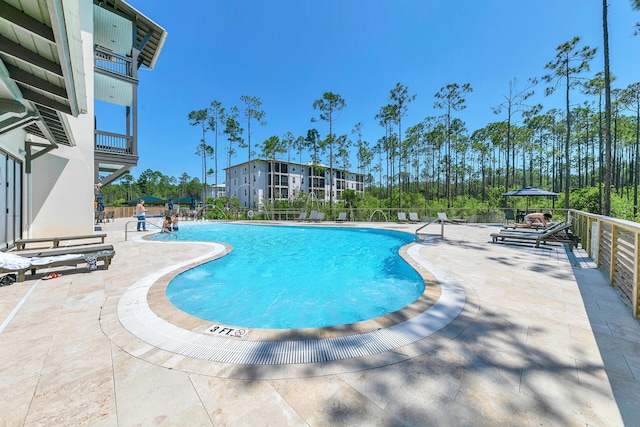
{"points": [[114, 154]]}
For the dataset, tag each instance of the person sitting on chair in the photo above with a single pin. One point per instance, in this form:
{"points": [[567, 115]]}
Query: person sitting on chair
{"points": [[537, 218]]}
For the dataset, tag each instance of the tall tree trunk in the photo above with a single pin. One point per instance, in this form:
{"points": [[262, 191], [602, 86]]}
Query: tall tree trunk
{"points": [[607, 114]]}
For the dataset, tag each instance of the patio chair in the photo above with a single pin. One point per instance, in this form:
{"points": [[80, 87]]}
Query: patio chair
{"points": [[313, 216], [319, 217], [559, 234], [342, 217], [509, 215], [402, 217], [110, 216], [23, 262], [302, 217], [99, 217], [413, 217]]}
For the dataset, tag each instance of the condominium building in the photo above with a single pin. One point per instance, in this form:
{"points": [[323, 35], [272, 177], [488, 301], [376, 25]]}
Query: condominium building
{"points": [[57, 58], [216, 191], [259, 181]]}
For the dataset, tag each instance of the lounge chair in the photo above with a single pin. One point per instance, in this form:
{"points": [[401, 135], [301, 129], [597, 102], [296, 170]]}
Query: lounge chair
{"points": [[342, 217], [559, 234], [302, 217], [20, 263], [313, 216], [443, 218], [319, 217], [538, 228], [413, 217], [402, 217], [55, 241], [110, 216]]}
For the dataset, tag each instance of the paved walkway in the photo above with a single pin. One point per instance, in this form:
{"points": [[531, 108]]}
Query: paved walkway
{"points": [[537, 342]]}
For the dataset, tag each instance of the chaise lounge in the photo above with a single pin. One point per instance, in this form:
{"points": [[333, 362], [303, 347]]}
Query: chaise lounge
{"points": [[413, 217], [20, 263], [442, 217], [560, 234], [55, 241]]}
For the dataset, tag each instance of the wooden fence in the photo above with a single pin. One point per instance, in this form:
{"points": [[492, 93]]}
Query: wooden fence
{"points": [[614, 245]]}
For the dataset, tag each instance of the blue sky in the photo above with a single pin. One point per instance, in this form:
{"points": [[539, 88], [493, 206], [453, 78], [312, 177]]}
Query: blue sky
{"points": [[288, 53]]}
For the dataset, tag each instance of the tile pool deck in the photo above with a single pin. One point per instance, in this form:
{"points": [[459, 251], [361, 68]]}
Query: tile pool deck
{"points": [[536, 341]]}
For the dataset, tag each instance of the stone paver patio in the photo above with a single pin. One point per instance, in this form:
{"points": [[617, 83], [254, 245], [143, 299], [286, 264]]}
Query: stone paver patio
{"points": [[539, 341]]}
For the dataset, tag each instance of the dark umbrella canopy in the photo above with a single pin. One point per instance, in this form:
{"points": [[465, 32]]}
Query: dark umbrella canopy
{"points": [[100, 206], [530, 191], [170, 203], [193, 203]]}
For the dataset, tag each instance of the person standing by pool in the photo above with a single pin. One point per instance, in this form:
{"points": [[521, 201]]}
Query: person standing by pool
{"points": [[174, 222], [142, 216]]}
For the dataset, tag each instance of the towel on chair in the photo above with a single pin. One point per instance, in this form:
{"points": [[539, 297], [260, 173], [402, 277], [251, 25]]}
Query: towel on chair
{"points": [[13, 262], [17, 262]]}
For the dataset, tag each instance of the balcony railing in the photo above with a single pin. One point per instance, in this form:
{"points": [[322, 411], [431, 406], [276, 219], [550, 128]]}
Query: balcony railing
{"points": [[113, 143], [112, 62]]}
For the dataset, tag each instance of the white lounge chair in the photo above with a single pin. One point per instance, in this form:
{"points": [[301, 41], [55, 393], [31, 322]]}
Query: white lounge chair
{"points": [[402, 217], [342, 217], [319, 217], [413, 217], [302, 217], [20, 263], [313, 216]]}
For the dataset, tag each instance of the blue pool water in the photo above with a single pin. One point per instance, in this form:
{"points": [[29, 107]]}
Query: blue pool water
{"points": [[295, 277]]}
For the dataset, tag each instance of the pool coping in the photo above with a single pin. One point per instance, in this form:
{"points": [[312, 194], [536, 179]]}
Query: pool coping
{"points": [[169, 332]]}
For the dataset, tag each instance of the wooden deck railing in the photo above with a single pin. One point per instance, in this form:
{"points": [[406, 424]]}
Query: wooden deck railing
{"points": [[614, 245]]}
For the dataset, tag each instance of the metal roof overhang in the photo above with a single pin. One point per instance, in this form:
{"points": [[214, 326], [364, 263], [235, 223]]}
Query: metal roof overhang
{"points": [[42, 67]]}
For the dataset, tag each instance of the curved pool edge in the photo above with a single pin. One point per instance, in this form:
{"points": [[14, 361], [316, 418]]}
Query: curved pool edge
{"points": [[375, 348]]}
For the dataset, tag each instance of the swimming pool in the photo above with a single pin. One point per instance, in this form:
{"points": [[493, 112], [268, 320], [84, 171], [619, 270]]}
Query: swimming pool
{"points": [[294, 276]]}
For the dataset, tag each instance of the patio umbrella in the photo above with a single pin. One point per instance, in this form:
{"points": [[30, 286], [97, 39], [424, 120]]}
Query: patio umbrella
{"points": [[170, 203], [100, 206], [531, 192], [193, 204]]}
